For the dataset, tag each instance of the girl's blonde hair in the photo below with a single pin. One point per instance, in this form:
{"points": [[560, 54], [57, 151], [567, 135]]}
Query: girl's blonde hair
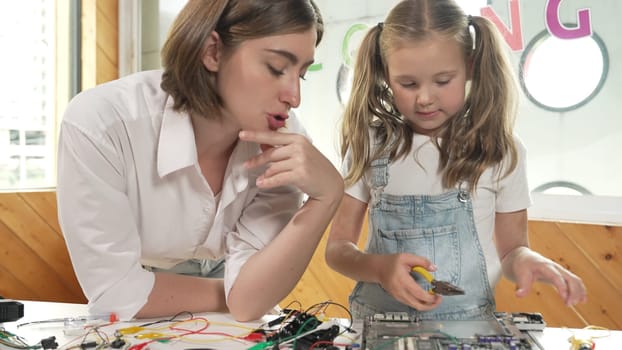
{"points": [[478, 137], [191, 85]]}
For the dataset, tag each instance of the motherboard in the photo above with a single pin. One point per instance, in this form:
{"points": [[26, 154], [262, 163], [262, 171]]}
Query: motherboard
{"points": [[399, 331]]}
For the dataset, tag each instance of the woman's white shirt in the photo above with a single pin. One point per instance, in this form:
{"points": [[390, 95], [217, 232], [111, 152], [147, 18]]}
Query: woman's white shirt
{"points": [[130, 193]]}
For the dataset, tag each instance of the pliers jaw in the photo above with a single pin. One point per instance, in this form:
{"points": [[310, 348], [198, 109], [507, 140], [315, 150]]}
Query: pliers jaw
{"points": [[438, 287], [446, 288]]}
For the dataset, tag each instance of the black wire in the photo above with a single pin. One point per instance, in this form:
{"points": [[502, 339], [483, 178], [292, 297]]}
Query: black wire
{"points": [[324, 305], [172, 319]]}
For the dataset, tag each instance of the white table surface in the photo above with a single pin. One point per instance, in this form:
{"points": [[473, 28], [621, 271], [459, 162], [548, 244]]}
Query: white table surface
{"points": [[549, 338], [73, 335]]}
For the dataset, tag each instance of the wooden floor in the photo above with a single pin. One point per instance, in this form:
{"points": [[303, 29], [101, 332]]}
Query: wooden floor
{"points": [[34, 265]]}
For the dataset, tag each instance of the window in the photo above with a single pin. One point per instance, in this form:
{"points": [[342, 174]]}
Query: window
{"points": [[35, 86], [545, 64]]}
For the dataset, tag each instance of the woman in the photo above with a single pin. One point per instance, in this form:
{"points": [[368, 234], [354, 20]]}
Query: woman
{"points": [[162, 168]]}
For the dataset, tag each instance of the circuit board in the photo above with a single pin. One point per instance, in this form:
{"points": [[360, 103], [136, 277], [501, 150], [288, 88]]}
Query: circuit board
{"points": [[399, 331]]}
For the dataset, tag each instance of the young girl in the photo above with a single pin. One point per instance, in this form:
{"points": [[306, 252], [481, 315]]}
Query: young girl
{"points": [[428, 147], [162, 170]]}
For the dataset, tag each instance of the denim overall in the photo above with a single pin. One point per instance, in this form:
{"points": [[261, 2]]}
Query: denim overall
{"points": [[438, 227]]}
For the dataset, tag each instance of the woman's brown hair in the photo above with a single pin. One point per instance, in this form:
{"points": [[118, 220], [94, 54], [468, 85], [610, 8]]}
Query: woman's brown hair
{"points": [[191, 85]]}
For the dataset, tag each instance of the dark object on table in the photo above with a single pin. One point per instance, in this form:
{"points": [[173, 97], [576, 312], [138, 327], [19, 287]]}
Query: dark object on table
{"points": [[10, 310]]}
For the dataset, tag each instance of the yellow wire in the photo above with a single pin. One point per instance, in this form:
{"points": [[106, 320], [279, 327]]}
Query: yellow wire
{"points": [[577, 342]]}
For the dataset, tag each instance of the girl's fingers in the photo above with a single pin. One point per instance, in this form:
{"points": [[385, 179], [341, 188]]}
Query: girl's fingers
{"points": [[424, 301], [577, 292], [412, 294]]}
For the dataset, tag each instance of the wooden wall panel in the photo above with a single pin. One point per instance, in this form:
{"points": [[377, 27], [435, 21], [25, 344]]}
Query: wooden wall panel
{"points": [[107, 40], [320, 283], [34, 261], [100, 42], [606, 255], [590, 251]]}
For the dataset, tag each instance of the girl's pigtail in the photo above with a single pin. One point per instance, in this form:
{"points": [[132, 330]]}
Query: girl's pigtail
{"points": [[492, 100], [363, 101]]}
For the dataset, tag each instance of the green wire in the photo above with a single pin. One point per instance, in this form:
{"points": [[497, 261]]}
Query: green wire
{"points": [[261, 346]]}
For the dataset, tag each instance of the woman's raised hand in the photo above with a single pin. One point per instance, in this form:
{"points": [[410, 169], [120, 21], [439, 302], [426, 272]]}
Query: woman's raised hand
{"points": [[293, 160]]}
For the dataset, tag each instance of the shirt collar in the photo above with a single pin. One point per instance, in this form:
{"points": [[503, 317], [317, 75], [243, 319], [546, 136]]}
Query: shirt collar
{"points": [[176, 146], [177, 150]]}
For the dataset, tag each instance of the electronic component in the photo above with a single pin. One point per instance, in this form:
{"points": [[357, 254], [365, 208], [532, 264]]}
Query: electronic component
{"points": [[10, 310], [294, 324], [400, 331], [49, 343], [297, 329], [581, 344], [525, 321]]}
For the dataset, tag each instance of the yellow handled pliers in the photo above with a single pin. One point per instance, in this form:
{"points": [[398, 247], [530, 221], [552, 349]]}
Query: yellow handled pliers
{"points": [[438, 287]]}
